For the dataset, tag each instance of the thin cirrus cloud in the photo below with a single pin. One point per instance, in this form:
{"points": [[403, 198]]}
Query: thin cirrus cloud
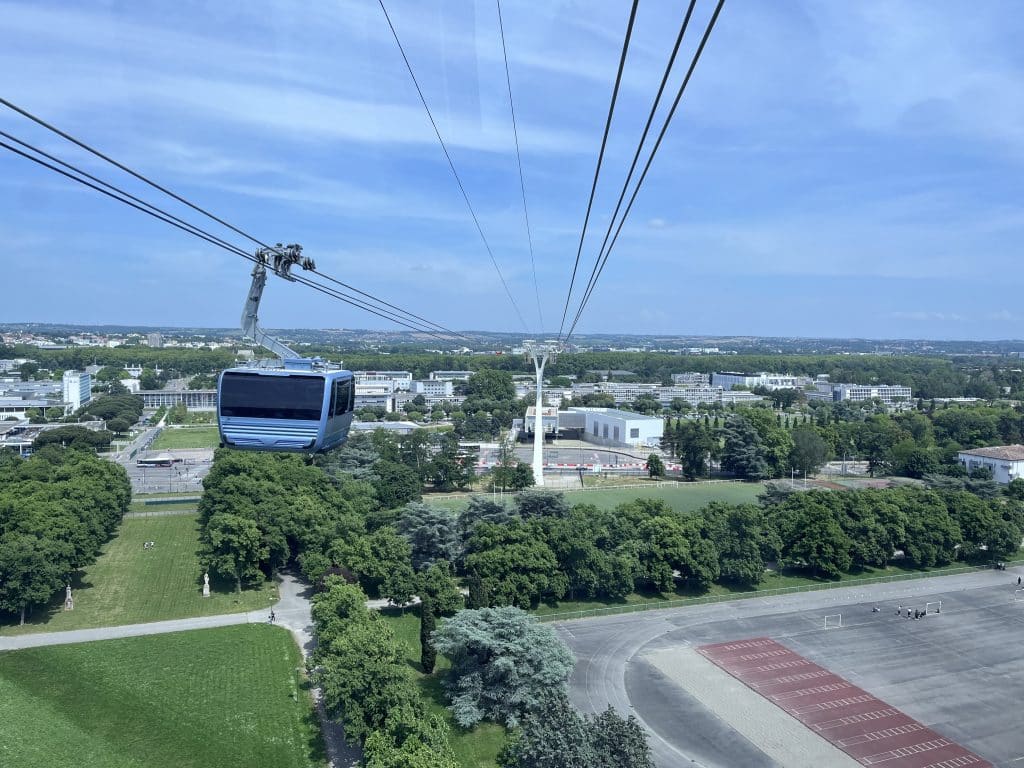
{"points": [[837, 153]]}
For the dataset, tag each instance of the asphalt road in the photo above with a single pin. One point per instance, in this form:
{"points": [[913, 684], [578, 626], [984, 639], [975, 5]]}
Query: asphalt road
{"points": [[959, 672]]}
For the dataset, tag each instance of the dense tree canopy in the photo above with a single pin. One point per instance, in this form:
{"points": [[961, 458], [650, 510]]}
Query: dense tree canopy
{"points": [[504, 664], [57, 508]]}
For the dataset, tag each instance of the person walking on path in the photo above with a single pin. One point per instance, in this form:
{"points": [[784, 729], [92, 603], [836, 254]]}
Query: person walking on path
{"points": [[1018, 581]]}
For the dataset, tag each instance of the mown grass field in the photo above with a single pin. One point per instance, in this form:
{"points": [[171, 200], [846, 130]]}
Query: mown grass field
{"points": [[186, 437], [232, 697], [474, 749], [129, 584], [681, 497]]}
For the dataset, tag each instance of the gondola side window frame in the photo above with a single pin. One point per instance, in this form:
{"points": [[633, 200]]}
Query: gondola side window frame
{"points": [[283, 405], [341, 397]]}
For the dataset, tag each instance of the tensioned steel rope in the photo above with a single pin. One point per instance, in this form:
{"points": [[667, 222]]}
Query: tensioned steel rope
{"points": [[161, 215], [92, 150], [600, 159], [640, 145], [222, 242], [650, 159], [455, 173], [519, 161]]}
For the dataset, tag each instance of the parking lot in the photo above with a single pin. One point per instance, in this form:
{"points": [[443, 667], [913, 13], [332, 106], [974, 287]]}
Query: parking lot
{"points": [[185, 476]]}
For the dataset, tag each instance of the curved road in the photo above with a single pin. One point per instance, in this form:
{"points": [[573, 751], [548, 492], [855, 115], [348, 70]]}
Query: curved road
{"points": [[611, 668]]}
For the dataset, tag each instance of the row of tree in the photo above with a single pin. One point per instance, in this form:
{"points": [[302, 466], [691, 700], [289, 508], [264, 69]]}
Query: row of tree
{"points": [[367, 687], [57, 509], [506, 667]]}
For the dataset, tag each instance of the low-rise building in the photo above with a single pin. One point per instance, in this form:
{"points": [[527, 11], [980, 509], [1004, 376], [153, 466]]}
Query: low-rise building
{"points": [[450, 375], [193, 399], [402, 380], [434, 387], [730, 379], [612, 427], [1005, 461]]}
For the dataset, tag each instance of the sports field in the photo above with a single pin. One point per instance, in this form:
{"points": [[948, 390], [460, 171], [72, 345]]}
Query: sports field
{"points": [[130, 584], [950, 678], [186, 437], [228, 697], [682, 497]]}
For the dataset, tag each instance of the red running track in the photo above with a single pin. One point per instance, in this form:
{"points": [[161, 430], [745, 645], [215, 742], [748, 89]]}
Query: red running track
{"points": [[864, 727]]}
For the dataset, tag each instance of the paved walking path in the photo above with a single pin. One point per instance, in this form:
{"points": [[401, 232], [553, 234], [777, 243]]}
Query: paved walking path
{"points": [[291, 611]]}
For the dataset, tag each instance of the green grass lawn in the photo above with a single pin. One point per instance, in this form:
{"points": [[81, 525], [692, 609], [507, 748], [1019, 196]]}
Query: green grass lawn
{"points": [[129, 584], [228, 697], [681, 497], [186, 437], [477, 748], [184, 506]]}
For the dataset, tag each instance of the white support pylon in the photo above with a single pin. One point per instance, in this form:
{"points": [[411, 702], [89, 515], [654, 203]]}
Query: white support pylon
{"points": [[540, 353]]}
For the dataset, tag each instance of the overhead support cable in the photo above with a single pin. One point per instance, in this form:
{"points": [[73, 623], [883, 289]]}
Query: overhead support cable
{"points": [[121, 196], [519, 161], [600, 159], [640, 145], [647, 166], [179, 198], [451, 165]]}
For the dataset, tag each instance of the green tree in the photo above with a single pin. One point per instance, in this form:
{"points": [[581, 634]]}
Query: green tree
{"points": [[744, 453], [396, 484], [30, 571], [540, 502], [554, 735], [232, 548], [655, 466], [504, 663], [618, 742], [518, 567], [410, 741], [809, 450], [432, 533], [362, 674], [118, 426], [335, 608], [150, 379], [428, 655], [437, 584]]}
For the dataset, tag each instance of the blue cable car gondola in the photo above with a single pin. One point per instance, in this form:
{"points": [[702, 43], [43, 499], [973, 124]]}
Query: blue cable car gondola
{"points": [[300, 404], [284, 410]]}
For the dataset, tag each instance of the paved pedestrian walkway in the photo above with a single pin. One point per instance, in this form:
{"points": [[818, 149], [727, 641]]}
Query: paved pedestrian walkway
{"points": [[291, 611]]}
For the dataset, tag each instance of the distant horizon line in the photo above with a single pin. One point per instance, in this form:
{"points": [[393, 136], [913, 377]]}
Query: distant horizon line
{"points": [[24, 325]]}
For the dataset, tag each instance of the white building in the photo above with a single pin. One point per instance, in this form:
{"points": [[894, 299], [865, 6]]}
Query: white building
{"points": [[612, 427], [451, 375], [434, 387], [887, 393], [692, 379], [402, 379], [730, 379], [1005, 461], [77, 389]]}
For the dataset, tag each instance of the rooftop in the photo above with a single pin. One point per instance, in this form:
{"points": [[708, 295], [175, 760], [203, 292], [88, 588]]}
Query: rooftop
{"points": [[1001, 452], [616, 413]]}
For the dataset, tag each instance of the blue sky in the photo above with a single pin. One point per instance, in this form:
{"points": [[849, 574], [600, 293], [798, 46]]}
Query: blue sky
{"points": [[835, 168]]}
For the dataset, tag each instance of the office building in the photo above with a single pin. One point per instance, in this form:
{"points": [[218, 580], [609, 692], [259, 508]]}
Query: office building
{"points": [[77, 389]]}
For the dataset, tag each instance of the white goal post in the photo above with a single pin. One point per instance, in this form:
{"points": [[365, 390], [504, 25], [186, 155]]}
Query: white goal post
{"points": [[935, 607], [834, 621], [1018, 595]]}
